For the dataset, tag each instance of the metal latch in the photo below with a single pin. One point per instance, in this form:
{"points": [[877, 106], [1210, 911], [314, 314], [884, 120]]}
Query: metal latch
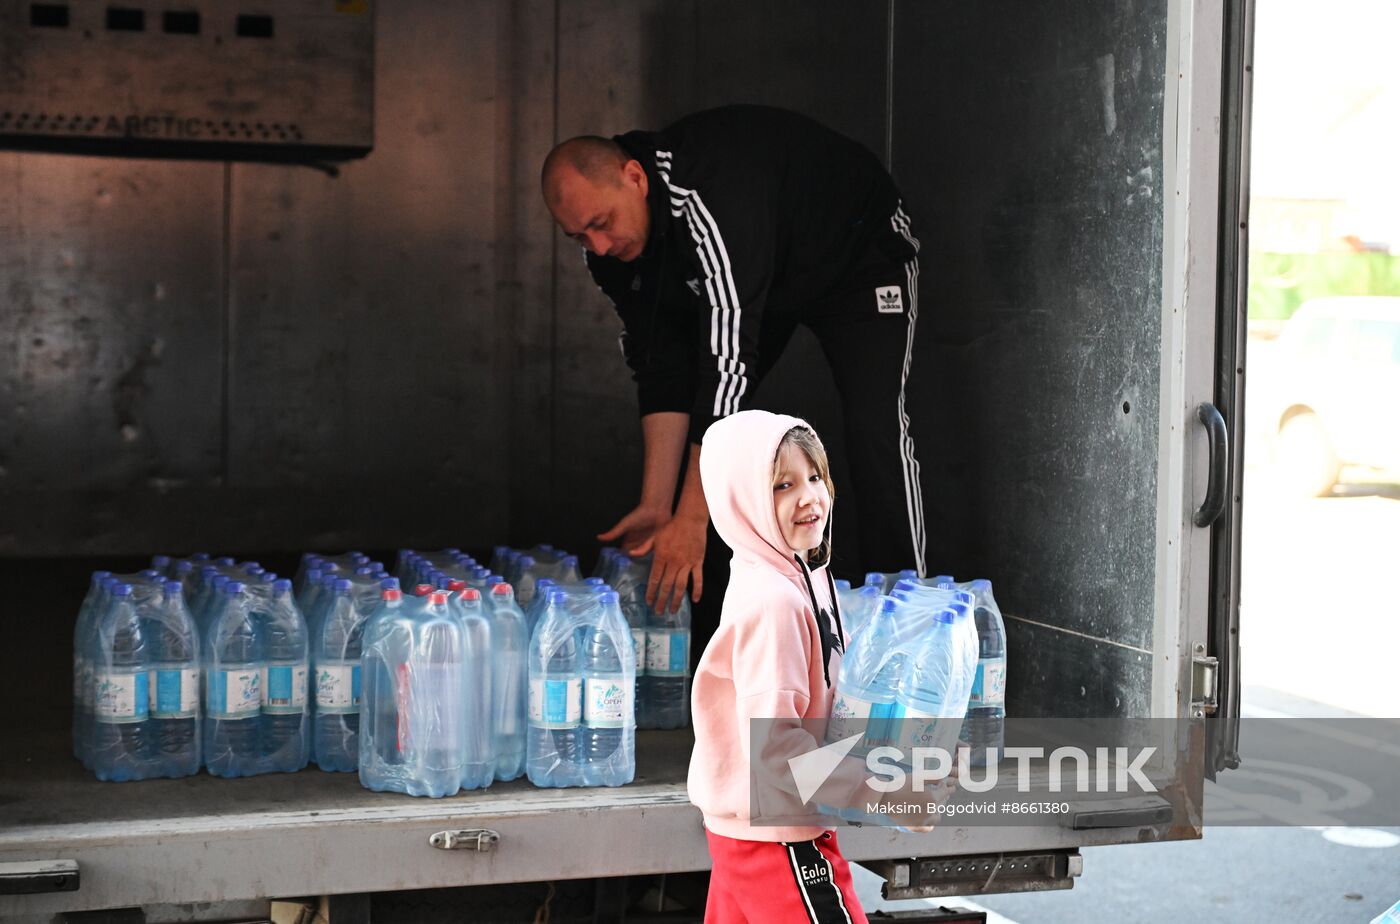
{"points": [[478, 839], [1205, 677]]}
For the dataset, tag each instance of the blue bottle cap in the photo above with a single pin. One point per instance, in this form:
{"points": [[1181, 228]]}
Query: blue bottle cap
{"points": [[888, 605], [906, 585], [901, 595], [558, 598], [608, 598], [842, 584], [946, 615], [121, 590], [251, 568], [544, 584], [342, 586], [233, 587], [200, 556], [329, 567], [571, 561], [225, 562], [219, 580], [869, 590], [373, 566], [281, 586], [943, 579], [362, 570], [172, 588], [356, 554], [495, 579], [452, 550], [980, 586], [160, 561], [380, 575], [525, 561], [208, 571], [963, 596], [266, 577], [595, 581], [151, 573], [99, 575], [443, 582], [313, 575], [545, 547], [909, 573], [184, 567], [499, 549], [875, 579], [391, 583]]}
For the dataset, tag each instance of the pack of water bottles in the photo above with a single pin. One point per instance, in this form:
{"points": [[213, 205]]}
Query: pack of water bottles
{"points": [[928, 650], [524, 568], [582, 676], [661, 642], [192, 662]]}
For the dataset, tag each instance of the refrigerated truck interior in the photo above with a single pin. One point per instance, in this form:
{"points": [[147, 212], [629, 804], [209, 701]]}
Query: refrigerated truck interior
{"points": [[278, 278]]}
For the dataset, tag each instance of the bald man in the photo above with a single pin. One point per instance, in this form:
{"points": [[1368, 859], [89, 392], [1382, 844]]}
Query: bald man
{"points": [[715, 238]]}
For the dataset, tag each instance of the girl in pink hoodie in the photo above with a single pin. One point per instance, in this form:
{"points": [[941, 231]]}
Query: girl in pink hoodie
{"points": [[766, 679]]}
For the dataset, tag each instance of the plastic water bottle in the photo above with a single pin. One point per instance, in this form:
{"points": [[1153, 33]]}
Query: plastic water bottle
{"points": [[864, 702], [233, 665], [666, 681], [510, 641], [285, 731], [173, 685], [82, 665], [335, 669], [479, 763], [555, 697], [413, 717], [121, 703], [609, 722], [986, 708], [923, 705]]}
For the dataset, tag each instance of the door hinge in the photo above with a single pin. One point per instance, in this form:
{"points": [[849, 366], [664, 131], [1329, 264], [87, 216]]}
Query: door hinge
{"points": [[1205, 677]]}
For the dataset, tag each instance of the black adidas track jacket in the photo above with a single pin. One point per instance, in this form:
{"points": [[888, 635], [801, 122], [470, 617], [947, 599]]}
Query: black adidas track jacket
{"points": [[755, 212]]}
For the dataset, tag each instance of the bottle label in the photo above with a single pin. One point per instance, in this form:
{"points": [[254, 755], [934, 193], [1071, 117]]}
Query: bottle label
{"points": [[235, 694], [338, 688], [174, 693], [667, 652], [914, 728], [989, 686], [284, 688], [556, 703], [639, 648], [607, 701], [121, 697]]}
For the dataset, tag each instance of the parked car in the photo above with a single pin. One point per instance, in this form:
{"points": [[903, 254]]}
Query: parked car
{"points": [[1335, 402]]}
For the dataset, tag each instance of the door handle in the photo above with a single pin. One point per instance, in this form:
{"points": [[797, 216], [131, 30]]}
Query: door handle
{"points": [[1214, 504]]}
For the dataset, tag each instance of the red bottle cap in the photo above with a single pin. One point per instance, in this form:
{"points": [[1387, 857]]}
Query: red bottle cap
{"points": [[422, 590], [501, 589], [437, 598]]}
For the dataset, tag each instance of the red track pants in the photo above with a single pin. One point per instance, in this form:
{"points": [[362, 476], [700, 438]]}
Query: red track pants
{"points": [[770, 882]]}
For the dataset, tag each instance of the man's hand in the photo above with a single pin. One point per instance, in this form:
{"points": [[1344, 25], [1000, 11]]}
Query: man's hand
{"points": [[934, 794], [637, 528], [679, 548]]}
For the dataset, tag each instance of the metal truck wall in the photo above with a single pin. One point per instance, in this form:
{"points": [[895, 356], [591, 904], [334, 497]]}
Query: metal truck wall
{"points": [[1029, 136], [259, 357]]}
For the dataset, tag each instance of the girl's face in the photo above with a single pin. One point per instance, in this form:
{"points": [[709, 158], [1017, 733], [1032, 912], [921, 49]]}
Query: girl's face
{"points": [[800, 500]]}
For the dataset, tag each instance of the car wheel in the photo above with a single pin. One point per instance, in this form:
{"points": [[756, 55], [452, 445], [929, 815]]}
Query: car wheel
{"points": [[1307, 463]]}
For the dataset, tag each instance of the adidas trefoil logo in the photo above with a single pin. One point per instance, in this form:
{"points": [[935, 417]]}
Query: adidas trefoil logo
{"points": [[889, 300]]}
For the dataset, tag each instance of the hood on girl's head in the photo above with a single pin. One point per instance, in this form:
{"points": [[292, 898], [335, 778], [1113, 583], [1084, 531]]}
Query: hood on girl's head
{"points": [[736, 471]]}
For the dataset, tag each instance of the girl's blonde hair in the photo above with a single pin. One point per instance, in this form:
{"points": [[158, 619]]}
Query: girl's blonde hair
{"points": [[805, 439]]}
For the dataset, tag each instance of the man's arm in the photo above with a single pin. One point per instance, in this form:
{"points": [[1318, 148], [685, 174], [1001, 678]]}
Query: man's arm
{"points": [[663, 440]]}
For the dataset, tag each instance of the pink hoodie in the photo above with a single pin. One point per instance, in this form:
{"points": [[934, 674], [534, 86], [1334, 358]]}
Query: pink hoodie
{"points": [[765, 660]]}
